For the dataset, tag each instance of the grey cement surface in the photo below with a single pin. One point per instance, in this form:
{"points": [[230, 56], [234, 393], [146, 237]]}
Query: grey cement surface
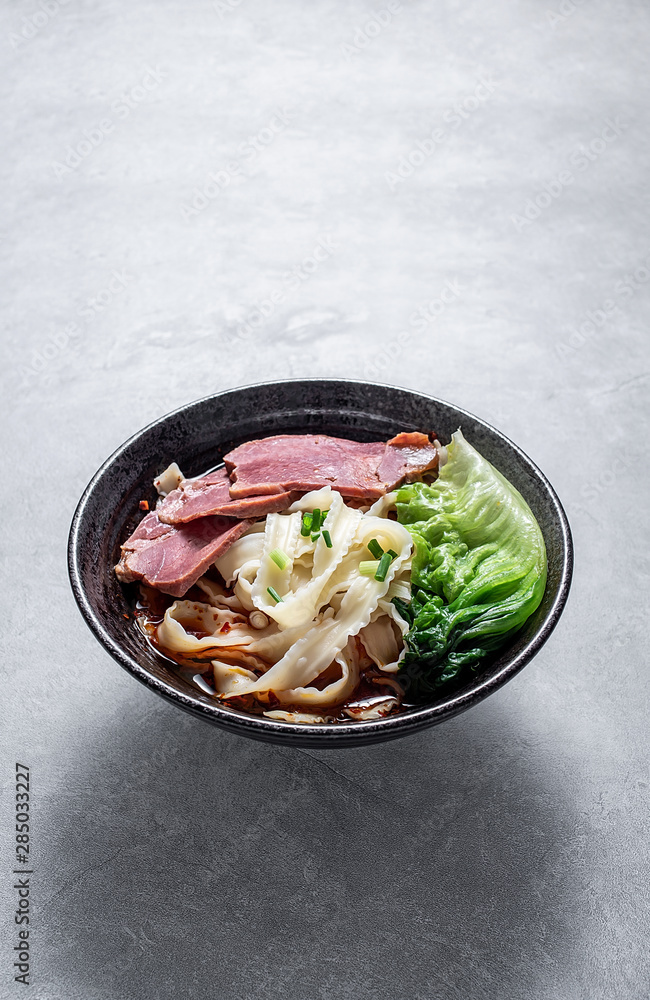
{"points": [[505, 853]]}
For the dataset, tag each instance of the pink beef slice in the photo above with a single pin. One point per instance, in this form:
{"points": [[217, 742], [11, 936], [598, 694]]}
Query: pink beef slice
{"points": [[309, 461], [171, 558], [210, 495], [407, 456]]}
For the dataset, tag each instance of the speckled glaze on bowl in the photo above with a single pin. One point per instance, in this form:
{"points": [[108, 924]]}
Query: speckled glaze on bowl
{"points": [[197, 436]]}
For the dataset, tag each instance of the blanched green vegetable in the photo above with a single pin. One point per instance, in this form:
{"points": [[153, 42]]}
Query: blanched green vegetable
{"points": [[479, 568]]}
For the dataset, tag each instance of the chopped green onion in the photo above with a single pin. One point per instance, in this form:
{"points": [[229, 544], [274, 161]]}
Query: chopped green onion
{"points": [[375, 548], [382, 569], [306, 524], [315, 536], [369, 568], [392, 553], [316, 520], [274, 594], [328, 540], [280, 558]]}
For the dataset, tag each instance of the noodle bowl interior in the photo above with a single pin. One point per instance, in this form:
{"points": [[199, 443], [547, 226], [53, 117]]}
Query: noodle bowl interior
{"points": [[314, 579], [330, 647]]}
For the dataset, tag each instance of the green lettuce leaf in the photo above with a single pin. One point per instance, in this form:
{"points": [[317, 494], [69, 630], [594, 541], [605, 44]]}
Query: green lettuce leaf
{"points": [[479, 569]]}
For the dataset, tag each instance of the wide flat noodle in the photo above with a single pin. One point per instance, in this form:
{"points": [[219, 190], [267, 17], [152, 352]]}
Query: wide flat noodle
{"points": [[168, 480], [282, 532], [336, 691], [385, 613], [381, 507], [240, 564], [269, 643], [247, 549], [216, 596], [228, 678], [329, 613], [305, 718], [376, 711], [306, 659], [380, 642], [302, 592]]}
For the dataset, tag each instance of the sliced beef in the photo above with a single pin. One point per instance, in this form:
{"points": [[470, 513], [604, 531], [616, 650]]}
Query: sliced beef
{"points": [[305, 462], [210, 495], [172, 558], [406, 457], [197, 522]]}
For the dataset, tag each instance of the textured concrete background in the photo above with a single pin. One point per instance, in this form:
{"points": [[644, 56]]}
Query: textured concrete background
{"points": [[476, 177]]}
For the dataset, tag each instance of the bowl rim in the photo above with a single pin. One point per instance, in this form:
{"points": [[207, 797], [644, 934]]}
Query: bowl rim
{"points": [[337, 734]]}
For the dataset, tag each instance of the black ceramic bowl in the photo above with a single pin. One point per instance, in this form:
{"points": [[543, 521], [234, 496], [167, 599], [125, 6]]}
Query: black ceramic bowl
{"points": [[197, 436]]}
